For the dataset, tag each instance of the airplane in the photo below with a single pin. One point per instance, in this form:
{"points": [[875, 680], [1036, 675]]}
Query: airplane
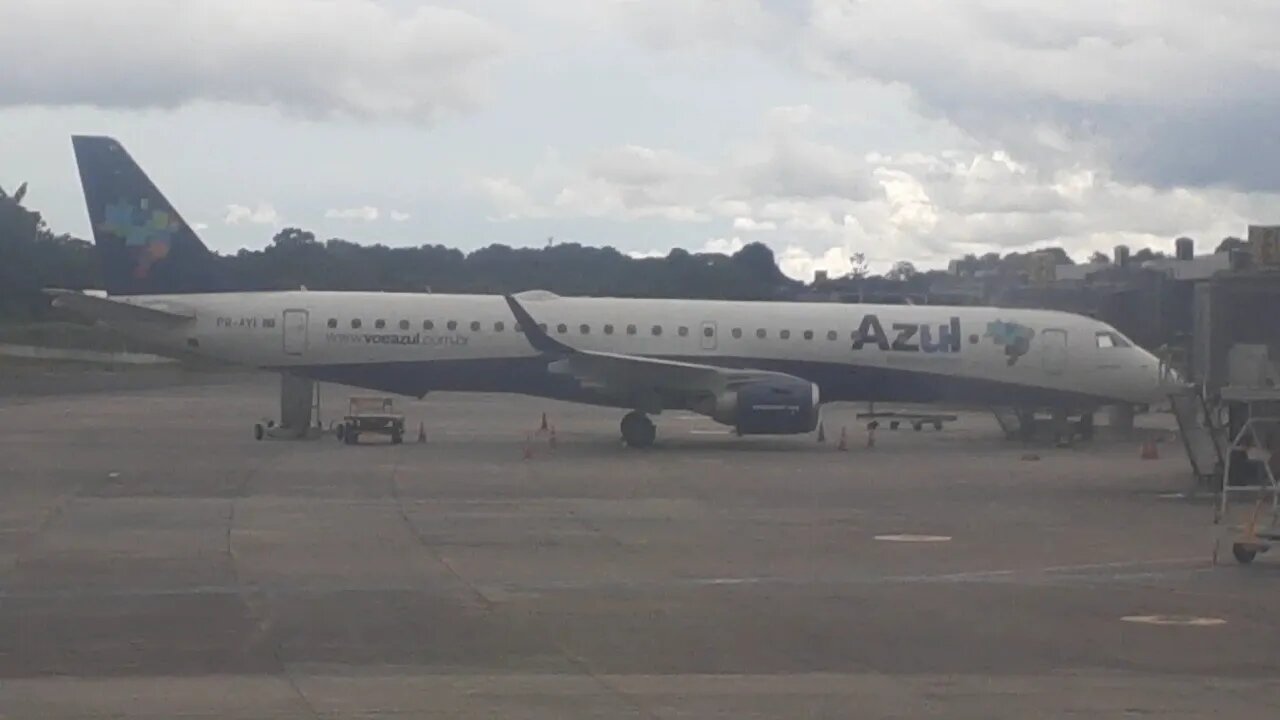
{"points": [[760, 368]]}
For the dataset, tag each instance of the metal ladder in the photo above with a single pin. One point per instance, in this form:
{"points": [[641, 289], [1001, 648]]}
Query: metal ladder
{"points": [[1204, 442]]}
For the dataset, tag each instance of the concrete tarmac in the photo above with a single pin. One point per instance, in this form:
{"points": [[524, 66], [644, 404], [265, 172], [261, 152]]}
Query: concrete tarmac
{"points": [[157, 562]]}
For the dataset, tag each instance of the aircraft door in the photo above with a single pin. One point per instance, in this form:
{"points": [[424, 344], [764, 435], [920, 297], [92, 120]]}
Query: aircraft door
{"points": [[1053, 351], [709, 335], [295, 332]]}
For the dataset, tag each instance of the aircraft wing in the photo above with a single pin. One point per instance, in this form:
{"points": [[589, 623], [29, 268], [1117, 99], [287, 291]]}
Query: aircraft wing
{"points": [[621, 373], [117, 312]]}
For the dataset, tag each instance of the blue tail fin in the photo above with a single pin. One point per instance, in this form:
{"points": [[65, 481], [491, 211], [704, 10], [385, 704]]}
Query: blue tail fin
{"points": [[143, 244]]}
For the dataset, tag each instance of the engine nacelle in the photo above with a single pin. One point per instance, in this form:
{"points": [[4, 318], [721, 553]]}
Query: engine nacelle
{"points": [[769, 407]]}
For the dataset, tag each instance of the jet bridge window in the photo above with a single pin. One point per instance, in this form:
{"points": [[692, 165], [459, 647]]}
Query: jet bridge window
{"points": [[683, 331], [333, 323], [1110, 340]]}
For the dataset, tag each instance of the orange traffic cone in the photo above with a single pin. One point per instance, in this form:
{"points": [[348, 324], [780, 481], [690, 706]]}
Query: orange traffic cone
{"points": [[1150, 451], [822, 434], [422, 433], [551, 439], [844, 439]]}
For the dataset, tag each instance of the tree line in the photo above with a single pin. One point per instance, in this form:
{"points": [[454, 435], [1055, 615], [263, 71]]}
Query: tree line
{"points": [[33, 257]]}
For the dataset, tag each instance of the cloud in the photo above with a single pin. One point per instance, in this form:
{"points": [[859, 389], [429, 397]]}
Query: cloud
{"points": [[398, 216], [338, 57], [635, 165], [508, 198], [1167, 93], [750, 225], [263, 214], [366, 213], [670, 24], [800, 168]]}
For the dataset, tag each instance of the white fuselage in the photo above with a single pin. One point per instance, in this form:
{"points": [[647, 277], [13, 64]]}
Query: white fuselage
{"points": [[414, 343]]}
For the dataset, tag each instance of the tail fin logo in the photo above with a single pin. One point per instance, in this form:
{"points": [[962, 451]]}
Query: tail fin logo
{"points": [[147, 233]]}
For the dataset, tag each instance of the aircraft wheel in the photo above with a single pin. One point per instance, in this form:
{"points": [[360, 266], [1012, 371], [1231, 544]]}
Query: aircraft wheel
{"points": [[1244, 555], [638, 430]]}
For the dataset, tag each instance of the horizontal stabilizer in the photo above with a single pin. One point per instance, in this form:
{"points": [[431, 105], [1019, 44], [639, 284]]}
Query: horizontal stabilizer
{"points": [[118, 312]]}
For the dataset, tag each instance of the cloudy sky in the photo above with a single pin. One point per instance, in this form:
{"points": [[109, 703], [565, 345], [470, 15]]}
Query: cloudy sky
{"points": [[902, 129]]}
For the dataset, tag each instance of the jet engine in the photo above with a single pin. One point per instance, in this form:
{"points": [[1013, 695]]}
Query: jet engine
{"points": [[769, 407]]}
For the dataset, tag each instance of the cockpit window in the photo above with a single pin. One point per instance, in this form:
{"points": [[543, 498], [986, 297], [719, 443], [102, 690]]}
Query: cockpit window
{"points": [[1111, 340]]}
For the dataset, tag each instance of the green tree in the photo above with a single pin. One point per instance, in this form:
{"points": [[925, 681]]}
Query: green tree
{"points": [[902, 271]]}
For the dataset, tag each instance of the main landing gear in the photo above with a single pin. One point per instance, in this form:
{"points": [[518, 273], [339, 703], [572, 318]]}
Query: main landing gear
{"points": [[638, 430]]}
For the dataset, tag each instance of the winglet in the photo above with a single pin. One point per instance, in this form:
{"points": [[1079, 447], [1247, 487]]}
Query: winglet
{"points": [[537, 337]]}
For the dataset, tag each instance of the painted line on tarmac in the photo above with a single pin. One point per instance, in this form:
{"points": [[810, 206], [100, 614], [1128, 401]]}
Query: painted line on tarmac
{"points": [[908, 538], [1182, 620], [708, 432]]}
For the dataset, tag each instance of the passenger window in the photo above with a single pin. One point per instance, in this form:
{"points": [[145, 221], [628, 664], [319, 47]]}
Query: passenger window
{"points": [[683, 331], [831, 335], [608, 329], [631, 329], [499, 326], [808, 334], [542, 327], [428, 325], [355, 324], [562, 328], [379, 324], [333, 323], [737, 333], [475, 326], [585, 329], [785, 334], [657, 330], [761, 333], [708, 331], [404, 324], [452, 325]]}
